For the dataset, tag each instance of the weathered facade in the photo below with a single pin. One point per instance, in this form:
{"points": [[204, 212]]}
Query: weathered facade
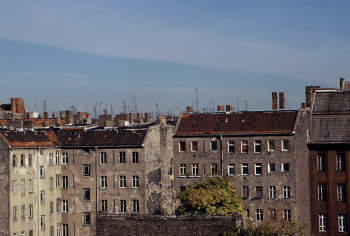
{"points": [[329, 145], [264, 152]]}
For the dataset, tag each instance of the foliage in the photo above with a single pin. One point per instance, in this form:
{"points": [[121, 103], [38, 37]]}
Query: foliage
{"points": [[275, 224], [214, 196]]}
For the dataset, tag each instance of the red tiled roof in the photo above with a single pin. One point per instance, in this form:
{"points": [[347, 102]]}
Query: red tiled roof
{"points": [[38, 138], [237, 123], [77, 137]]}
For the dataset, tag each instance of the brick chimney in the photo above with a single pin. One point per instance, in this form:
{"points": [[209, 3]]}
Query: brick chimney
{"points": [[46, 115], [189, 109], [229, 108], [274, 101], [342, 80], [281, 95], [221, 108]]}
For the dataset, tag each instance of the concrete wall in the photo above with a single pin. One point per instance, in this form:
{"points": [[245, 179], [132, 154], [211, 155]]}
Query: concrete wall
{"points": [[162, 225]]}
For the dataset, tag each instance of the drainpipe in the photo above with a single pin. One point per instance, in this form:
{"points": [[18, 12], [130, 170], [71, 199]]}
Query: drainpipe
{"points": [[37, 188], [96, 163], [221, 157]]}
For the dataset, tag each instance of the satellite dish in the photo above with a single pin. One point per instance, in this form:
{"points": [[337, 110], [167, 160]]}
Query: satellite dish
{"points": [[126, 123], [35, 114]]}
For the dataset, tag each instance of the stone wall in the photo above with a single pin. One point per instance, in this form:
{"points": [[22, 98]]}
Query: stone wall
{"points": [[162, 225]]}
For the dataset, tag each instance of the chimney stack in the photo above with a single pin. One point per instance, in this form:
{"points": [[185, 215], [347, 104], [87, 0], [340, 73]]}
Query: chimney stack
{"points": [[189, 109], [342, 80], [229, 108], [221, 108], [46, 115], [281, 95], [274, 101]]}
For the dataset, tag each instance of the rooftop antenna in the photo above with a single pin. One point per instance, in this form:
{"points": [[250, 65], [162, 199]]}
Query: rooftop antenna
{"points": [[246, 105], [105, 110], [44, 104], [95, 110], [237, 102], [135, 108], [99, 112], [35, 105], [112, 110], [213, 106], [157, 109], [73, 108], [197, 98], [124, 107]]}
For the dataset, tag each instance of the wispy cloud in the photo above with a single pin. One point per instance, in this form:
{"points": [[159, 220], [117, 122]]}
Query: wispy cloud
{"points": [[73, 75]]}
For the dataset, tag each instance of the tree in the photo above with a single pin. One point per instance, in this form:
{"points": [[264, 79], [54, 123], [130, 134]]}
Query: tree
{"points": [[275, 224], [214, 196]]}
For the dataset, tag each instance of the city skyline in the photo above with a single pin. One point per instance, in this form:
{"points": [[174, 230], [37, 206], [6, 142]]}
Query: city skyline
{"points": [[160, 51]]}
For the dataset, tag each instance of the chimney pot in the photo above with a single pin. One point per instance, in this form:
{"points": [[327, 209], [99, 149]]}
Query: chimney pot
{"points": [[342, 80], [274, 101], [281, 95]]}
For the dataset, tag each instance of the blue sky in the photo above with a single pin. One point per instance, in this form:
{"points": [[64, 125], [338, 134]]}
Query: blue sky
{"points": [[159, 51]]}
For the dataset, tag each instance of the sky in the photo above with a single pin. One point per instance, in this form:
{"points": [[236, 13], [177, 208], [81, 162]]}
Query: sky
{"points": [[156, 53]]}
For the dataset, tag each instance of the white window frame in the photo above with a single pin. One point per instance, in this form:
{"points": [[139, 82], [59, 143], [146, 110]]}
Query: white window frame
{"points": [[85, 191], [244, 143], [285, 145], [342, 223], [341, 192], [212, 146], [14, 185], [323, 222], [271, 170], [284, 167], [122, 206], [58, 180], [50, 159], [135, 157], [272, 191], [23, 210], [64, 158], [23, 186], [64, 181], [192, 146], [30, 160], [135, 206], [182, 146], [243, 167], [231, 145], [104, 205], [122, 158], [257, 167], [213, 169], [322, 192], [86, 170], [14, 211], [30, 185], [103, 182], [286, 215], [51, 183], [257, 144], [87, 218], [259, 215], [30, 211], [135, 182], [58, 157], [103, 158], [286, 191], [182, 169], [122, 181], [64, 205], [42, 222], [64, 229], [341, 163], [42, 172], [194, 169], [229, 168], [271, 145], [321, 161]]}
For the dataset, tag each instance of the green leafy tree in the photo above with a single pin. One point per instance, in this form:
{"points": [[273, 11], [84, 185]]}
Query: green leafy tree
{"points": [[214, 196], [274, 225]]}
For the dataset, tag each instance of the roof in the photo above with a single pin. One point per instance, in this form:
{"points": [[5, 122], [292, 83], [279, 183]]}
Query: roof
{"points": [[346, 86], [27, 138], [331, 102], [79, 137], [237, 123], [330, 129]]}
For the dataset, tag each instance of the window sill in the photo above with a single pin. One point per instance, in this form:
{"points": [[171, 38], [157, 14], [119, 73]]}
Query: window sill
{"points": [[182, 176], [193, 176]]}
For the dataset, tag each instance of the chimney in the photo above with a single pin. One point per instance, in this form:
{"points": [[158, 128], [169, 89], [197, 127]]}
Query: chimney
{"points": [[303, 105], [221, 108], [274, 101], [189, 109], [54, 115], [281, 95], [161, 119], [46, 115], [342, 80], [229, 108]]}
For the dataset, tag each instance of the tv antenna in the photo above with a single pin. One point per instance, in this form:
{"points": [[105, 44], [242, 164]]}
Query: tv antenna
{"points": [[124, 107], [197, 99], [44, 105]]}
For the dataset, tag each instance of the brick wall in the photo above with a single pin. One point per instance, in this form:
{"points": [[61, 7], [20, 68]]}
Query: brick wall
{"points": [[162, 225]]}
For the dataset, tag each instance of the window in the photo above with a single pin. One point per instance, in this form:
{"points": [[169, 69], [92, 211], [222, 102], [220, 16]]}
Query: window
{"points": [[244, 146], [103, 157], [58, 205], [64, 181], [286, 192], [51, 159], [30, 211], [271, 168], [87, 218], [342, 224], [86, 170], [135, 206], [58, 229], [42, 196], [103, 181], [257, 146], [14, 212], [51, 183], [285, 167], [285, 145], [64, 158], [341, 193], [323, 222], [14, 162], [321, 161], [246, 213], [272, 192], [259, 215], [122, 158], [182, 170], [214, 169], [64, 205], [194, 146], [22, 161], [14, 184], [122, 206], [23, 186], [122, 182], [86, 192], [213, 145], [51, 207], [42, 172], [42, 222], [135, 157], [245, 169], [103, 205], [322, 192], [258, 192], [286, 215], [30, 160], [182, 146], [31, 232], [57, 157], [231, 146], [52, 230], [194, 169], [245, 191], [258, 169], [231, 169], [135, 181], [271, 145], [64, 229], [30, 185], [341, 162], [23, 212], [58, 180]]}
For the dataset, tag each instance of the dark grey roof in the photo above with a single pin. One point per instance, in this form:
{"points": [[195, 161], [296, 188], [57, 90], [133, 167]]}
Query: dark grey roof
{"points": [[331, 103], [330, 129]]}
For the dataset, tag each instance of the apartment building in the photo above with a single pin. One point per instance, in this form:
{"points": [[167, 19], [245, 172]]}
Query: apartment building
{"points": [[55, 181], [329, 156], [265, 153]]}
